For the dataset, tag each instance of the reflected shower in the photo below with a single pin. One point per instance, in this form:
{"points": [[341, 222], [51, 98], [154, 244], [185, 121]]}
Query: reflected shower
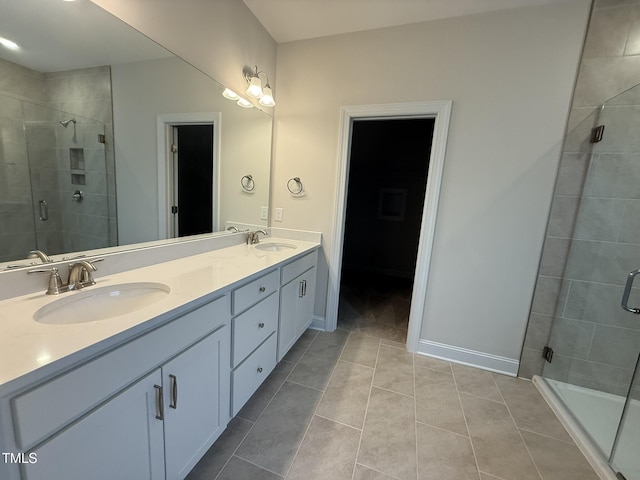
{"points": [[65, 123]]}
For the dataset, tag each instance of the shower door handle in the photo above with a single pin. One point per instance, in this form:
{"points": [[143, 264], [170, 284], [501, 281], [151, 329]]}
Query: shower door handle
{"points": [[627, 292]]}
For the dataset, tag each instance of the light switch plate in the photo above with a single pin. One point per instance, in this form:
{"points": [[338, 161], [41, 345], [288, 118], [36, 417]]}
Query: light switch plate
{"points": [[278, 214], [264, 213]]}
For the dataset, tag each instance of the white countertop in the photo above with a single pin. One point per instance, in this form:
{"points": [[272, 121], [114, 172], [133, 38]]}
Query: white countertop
{"points": [[28, 346]]}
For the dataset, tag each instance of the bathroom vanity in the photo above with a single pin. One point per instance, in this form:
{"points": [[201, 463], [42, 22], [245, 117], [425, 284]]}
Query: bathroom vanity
{"points": [[143, 394]]}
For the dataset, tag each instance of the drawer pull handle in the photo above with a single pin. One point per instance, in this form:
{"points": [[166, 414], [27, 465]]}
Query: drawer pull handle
{"points": [[173, 401], [261, 325], [159, 403], [262, 289], [259, 369]]}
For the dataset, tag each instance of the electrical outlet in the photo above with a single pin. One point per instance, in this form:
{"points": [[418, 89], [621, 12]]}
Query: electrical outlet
{"points": [[278, 214], [264, 213]]}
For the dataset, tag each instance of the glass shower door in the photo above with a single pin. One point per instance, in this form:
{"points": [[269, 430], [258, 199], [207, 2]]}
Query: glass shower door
{"points": [[594, 230]]}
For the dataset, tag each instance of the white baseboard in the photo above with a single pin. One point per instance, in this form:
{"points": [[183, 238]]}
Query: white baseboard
{"points": [[486, 361], [319, 323]]}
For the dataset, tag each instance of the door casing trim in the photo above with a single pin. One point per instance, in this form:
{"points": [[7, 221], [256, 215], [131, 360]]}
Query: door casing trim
{"points": [[441, 112]]}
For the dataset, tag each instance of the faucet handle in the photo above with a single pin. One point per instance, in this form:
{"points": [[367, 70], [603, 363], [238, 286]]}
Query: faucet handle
{"points": [[56, 285]]}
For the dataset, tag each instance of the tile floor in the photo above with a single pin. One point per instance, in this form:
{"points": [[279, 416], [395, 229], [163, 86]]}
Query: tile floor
{"points": [[344, 405], [375, 304]]}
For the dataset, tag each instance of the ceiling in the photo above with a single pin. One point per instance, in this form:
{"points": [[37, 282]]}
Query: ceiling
{"points": [[59, 35], [290, 20]]}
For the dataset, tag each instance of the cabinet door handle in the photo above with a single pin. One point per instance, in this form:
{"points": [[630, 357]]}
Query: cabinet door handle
{"points": [[304, 288], [261, 325], [262, 289], [173, 401], [300, 290], [259, 369], [159, 402]]}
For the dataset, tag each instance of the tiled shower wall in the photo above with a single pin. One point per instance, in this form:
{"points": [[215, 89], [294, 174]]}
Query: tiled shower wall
{"points": [[16, 208], [30, 132], [87, 93], [593, 236]]}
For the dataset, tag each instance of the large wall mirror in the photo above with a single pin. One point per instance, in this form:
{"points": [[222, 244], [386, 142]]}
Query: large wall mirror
{"points": [[103, 131]]}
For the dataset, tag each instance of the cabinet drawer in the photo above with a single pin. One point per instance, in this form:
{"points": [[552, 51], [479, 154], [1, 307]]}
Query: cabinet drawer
{"points": [[297, 267], [253, 326], [253, 292], [76, 392], [251, 373]]}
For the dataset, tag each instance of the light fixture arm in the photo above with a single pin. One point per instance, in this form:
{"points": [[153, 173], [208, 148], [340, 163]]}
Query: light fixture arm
{"points": [[249, 74]]}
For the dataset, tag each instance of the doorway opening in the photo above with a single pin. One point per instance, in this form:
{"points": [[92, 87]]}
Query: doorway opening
{"points": [[188, 189], [387, 181], [192, 180], [440, 112]]}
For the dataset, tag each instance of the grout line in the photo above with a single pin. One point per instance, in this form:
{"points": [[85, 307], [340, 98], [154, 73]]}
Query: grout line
{"points": [[479, 396], [366, 412], [305, 386], [333, 370], [393, 391], [338, 422], [234, 451], [355, 363], [377, 471], [515, 424], [256, 465], [443, 429], [450, 372], [466, 424], [568, 442]]}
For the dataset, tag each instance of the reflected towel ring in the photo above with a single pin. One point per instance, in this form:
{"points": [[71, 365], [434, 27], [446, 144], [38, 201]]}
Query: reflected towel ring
{"points": [[248, 184], [298, 189]]}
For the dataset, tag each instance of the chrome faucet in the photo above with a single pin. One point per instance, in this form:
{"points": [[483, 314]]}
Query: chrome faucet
{"points": [[253, 237], [232, 229], [41, 255], [80, 275]]}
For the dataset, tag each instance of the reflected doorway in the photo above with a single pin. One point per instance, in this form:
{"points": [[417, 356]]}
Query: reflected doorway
{"points": [[192, 199]]}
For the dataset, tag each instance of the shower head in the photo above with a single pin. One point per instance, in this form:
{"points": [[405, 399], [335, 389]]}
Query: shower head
{"points": [[65, 123]]}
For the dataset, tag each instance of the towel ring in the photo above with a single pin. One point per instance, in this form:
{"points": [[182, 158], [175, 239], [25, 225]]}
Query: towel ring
{"points": [[298, 188], [247, 183]]}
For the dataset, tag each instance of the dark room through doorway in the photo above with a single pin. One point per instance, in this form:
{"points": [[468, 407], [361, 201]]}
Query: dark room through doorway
{"points": [[388, 166]]}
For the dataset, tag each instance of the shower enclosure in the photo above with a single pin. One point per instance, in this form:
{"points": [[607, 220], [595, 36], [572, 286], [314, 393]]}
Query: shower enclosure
{"points": [[54, 181], [593, 243]]}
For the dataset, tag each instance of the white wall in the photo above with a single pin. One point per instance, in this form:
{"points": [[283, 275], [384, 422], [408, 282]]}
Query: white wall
{"points": [[510, 75], [220, 37], [143, 90]]}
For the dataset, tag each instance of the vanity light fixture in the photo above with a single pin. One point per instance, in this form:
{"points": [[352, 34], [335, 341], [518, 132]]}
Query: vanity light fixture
{"points": [[255, 88], [5, 42], [244, 103], [231, 95]]}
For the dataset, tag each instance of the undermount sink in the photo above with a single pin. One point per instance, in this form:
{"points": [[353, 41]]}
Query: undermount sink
{"points": [[274, 247], [92, 304]]}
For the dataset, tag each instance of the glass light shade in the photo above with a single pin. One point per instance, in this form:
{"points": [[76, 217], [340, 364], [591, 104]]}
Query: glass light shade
{"points": [[244, 103], [5, 42], [267, 97], [230, 94], [255, 88]]}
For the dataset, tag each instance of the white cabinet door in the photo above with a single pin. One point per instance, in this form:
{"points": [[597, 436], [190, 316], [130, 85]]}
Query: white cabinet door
{"points": [[196, 405], [296, 310], [120, 439], [287, 328], [306, 302]]}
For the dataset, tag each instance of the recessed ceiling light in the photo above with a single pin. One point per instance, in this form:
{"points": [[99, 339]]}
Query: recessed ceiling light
{"points": [[5, 42]]}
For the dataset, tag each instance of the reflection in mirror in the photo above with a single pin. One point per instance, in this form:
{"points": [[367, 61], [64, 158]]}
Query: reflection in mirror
{"points": [[88, 110]]}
